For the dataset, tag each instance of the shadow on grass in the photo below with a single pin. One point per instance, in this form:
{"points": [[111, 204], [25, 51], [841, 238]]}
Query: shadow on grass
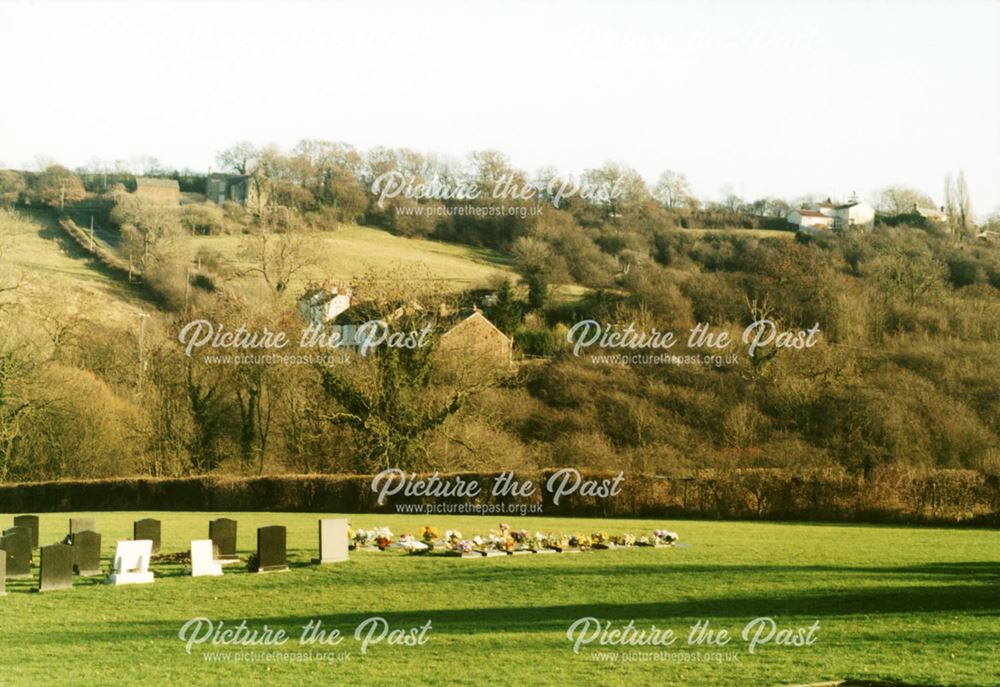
{"points": [[466, 620]]}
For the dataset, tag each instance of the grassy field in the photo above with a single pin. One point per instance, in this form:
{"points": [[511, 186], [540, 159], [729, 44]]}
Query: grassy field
{"points": [[759, 233], [56, 275], [913, 605], [348, 252]]}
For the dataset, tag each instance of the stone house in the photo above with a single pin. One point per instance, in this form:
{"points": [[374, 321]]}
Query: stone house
{"points": [[238, 188]]}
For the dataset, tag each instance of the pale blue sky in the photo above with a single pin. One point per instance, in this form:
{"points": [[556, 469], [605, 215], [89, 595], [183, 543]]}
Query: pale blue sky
{"points": [[770, 98]]}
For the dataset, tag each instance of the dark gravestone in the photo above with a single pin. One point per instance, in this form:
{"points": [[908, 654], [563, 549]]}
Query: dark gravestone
{"points": [[57, 566], [81, 525], [272, 556], [31, 522], [17, 543], [87, 553], [222, 532], [147, 528]]}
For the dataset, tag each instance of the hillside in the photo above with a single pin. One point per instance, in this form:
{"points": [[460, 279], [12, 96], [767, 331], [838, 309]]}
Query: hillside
{"points": [[57, 275], [351, 250]]}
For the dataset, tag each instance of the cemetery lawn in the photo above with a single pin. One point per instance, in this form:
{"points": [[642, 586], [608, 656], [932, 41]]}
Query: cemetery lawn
{"points": [[910, 605]]}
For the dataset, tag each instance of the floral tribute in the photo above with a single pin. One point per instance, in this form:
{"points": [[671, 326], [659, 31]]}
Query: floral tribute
{"points": [[503, 540]]}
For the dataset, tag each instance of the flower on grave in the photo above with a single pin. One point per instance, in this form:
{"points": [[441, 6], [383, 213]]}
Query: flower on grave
{"points": [[574, 540], [452, 539], [626, 539], [465, 546], [599, 537], [584, 542], [664, 536], [478, 543], [643, 541], [362, 537], [383, 538], [520, 536], [504, 528], [410, 544], [496, 542], [429, 534]]}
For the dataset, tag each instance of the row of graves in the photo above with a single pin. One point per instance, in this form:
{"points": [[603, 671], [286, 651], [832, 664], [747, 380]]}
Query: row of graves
{"points": [[503, 541], [78, 554]]}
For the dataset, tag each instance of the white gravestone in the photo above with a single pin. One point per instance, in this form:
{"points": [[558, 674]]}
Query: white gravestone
{"points": [[132, 563], [203, 563], [332, 541]]}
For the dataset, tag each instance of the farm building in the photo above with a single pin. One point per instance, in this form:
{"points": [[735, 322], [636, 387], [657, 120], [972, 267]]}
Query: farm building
{"points": [[160, 190], [238, 188], [809, 219], [477, 339], [932, 214], [829, 215]]}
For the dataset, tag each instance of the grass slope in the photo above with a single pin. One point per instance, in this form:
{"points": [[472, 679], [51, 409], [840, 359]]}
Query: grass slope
{"points": [[350, 250], [909, 604], [57, 275]]}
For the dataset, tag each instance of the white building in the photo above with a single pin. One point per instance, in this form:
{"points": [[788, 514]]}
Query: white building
{"points": [[322, 304], [809, 219], [853, 214], [830, 215]]}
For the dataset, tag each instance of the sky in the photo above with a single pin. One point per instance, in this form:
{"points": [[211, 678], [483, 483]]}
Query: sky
{"points": [[761, 98]]}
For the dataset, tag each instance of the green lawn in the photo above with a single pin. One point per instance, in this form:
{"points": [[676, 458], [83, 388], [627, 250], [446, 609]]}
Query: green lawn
{"points": [[908, 604]]}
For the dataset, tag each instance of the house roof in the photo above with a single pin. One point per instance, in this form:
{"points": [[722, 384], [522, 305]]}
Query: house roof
{"points": [[150, 182], [931, 213], [809, 213], [476, 315]]}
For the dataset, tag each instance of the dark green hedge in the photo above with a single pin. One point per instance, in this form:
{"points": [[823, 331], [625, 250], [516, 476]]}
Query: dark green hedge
{"points": [[944, 496]]}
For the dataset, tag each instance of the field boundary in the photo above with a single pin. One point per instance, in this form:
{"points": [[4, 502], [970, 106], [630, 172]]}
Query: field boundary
{"points": [[941, 497]]}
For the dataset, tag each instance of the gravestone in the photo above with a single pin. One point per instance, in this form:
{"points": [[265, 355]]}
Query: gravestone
{"points": [[17, 543], [332, 541], [56, 567], [81, 524], [3, 574], [222, 532], [203, 563], [272, 555], [30, 521], [147, 528], [87, 553], [132, 563]]}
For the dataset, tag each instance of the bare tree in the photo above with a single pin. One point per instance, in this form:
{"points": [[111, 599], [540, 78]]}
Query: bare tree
{"points": [[672, 189], [275, 257]]}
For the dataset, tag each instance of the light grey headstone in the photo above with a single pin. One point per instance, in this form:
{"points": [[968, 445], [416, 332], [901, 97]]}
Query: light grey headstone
{"points": [[333, 540]]}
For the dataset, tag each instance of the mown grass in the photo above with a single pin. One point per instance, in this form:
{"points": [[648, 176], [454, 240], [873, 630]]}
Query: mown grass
{"points": [[907, 604]]}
